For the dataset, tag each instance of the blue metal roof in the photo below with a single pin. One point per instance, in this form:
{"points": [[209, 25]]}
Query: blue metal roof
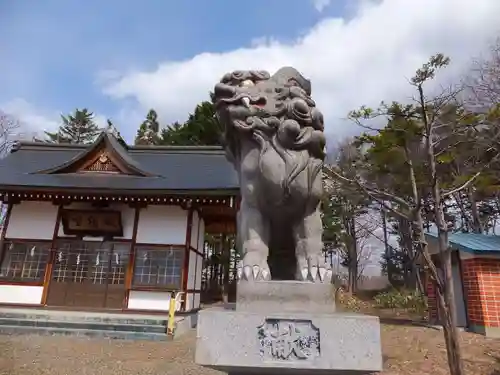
{"points": [[471, 242]]}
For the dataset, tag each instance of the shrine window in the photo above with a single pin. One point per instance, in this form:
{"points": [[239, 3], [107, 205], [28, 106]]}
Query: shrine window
{"points": [[158, 267], [24, 261]]}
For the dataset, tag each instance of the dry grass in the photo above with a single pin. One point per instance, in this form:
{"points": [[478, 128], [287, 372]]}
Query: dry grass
{"points": [[411, 350], [408, 350]]}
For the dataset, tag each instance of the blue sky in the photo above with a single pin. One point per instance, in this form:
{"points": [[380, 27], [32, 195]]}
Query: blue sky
{"points": [[55, 49], [120, 58]]}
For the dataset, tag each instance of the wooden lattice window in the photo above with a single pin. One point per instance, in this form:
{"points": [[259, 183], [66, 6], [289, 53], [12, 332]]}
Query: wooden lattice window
{"points": [[158, 267], [90, 262], [24, 261], [103, 164]]}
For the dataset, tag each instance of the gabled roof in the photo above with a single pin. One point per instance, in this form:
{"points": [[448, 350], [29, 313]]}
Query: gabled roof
{"points": [[144, 169], [105, 142], [472, 242]]}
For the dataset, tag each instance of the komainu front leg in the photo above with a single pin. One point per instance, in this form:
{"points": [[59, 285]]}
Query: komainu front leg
{"points": [[254, 232], [311, 264]]}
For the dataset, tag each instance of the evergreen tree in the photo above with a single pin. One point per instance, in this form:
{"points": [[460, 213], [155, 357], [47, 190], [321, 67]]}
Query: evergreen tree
{"points": [[201, 128], [76, 128], [147, 134]]}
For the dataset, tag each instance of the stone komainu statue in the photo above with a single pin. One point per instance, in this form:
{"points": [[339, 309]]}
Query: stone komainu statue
{"points": [[274, 138]]}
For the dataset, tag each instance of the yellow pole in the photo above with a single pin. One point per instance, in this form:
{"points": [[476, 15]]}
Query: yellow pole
{"points": [[171, 315]]}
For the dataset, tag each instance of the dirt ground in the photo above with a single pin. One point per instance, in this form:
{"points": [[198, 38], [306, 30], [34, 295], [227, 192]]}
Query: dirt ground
{"points": [[408, 350]]}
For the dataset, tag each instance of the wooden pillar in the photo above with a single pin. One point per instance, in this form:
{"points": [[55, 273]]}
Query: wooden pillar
{"points": [[195, 290], [131, 259], [187, 251], [3, 250], [52, 257]]}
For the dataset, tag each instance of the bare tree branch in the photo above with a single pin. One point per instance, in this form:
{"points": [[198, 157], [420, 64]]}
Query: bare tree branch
{"points": [[371, 192], [7, 125], [461, 187]]}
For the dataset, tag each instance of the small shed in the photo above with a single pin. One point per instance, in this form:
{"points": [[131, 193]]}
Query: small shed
{"points": [[476, 281]]}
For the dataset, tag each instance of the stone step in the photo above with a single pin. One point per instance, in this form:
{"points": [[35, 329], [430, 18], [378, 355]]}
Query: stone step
{"points": [[104, 318], [51, 331], [96, 324], [84, 324]]}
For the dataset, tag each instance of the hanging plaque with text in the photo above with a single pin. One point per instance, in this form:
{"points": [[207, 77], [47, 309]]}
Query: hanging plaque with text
{"points": [[92, 223]]}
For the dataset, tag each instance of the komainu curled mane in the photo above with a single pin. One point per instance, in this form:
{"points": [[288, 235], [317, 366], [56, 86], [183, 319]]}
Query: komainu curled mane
{"points": [[274, 138]]}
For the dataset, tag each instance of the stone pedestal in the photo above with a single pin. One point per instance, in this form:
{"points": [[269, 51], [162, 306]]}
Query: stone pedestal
{"points": [[287, 327]]}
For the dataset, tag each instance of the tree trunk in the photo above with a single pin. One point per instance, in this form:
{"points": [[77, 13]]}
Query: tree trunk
{"points": [[388, 249], [463, 212], [406, 233], [353, 258], [477, 226], [446, 298]]}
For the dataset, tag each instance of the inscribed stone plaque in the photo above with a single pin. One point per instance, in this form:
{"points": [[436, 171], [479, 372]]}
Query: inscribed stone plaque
{"points": [[288, 340]]}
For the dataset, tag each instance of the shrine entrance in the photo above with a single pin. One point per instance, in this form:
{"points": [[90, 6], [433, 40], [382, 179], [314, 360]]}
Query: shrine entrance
{"points": [[88, 274]]}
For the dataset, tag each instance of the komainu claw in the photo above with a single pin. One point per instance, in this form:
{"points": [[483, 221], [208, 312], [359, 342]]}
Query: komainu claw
{"points": [[247, 272], [304, 272], [322, 273], [314, 273], [329, 275], [256, 270], [265, 274]]}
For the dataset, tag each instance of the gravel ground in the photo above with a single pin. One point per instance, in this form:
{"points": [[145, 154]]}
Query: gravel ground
{"points": [[408, 350]]}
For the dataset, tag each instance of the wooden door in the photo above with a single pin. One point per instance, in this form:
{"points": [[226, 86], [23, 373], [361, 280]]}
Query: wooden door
{"points": [[88, 275], [115, 282]]}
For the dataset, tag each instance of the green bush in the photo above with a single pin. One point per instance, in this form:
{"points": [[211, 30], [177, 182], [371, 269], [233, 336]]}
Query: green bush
{"points": [[401, 299], [349, 302]]}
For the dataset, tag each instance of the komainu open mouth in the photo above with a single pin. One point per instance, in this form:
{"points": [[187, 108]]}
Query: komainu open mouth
{"points": [[244, 99]]}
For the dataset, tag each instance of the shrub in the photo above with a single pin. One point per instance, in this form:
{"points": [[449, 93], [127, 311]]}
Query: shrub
{"points": [[349, 302], [401, 299]]}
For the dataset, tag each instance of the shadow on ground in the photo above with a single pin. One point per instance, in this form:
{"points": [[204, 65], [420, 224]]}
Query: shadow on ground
{"points": [[497, 370], [408, 323]]}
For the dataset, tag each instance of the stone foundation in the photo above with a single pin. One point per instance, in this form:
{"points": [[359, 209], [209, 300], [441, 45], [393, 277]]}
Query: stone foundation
{"points": [[287, 327]]}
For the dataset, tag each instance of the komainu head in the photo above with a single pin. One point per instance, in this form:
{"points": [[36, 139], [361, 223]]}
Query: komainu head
{"points": [[273, 110]]}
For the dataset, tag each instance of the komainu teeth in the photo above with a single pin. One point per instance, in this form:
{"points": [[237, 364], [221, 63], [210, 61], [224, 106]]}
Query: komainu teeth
{"points": [[246, 102], [239, 273], [314, 273], [247, 83], [304, 273], [322, 273], [256, 270], [247, 272]]}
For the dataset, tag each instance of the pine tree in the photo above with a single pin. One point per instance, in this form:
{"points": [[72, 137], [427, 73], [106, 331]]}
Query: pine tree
{"points": [[201, 128], [76, 128], [147, 134]]}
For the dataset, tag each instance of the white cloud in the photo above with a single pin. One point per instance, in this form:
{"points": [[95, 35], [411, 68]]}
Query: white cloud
{"points": [[33, 121], [320, 5], [361, 61]]}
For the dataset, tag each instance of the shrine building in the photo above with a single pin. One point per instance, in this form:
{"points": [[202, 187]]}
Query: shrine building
{"points": [[108, 226]]}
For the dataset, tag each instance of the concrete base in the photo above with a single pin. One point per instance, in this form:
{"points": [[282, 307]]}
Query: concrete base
{"points": [[285, 296], [289, 340], [492, 332]]}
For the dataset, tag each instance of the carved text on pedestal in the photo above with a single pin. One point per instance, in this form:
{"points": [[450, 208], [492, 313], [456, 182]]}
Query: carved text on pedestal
{"points": [[288, 340]]}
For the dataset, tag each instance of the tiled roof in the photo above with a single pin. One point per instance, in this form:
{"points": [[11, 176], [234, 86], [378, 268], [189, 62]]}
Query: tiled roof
{"points": [[472, 242], [169, 169]]}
